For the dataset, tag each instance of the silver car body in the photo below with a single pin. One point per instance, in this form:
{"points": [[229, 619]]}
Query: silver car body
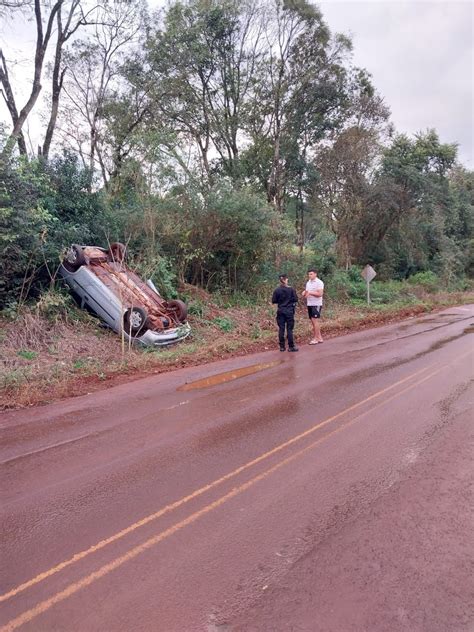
{"points": [[99, 299]]}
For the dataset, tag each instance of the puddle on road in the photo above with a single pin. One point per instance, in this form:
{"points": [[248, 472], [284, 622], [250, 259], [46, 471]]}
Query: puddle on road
{"points": [[228, 376], [423, 321]]}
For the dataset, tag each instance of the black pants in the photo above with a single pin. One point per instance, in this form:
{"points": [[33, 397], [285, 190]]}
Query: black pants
{"points": [[288, 321]]}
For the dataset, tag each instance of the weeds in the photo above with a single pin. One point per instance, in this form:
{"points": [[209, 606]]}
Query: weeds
{"points": [[173, 354], [196, 308], [27, 355], [79, 364], [224, 324], [16, 377], [55, 305], [47, 353]]}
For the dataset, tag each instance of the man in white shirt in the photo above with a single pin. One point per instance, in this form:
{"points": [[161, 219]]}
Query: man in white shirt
{"points": [[314, 299]]}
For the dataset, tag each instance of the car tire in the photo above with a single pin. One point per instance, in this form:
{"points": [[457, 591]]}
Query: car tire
{"points": [[74, 258], [179, 309], [135, 321], [118, 252]]}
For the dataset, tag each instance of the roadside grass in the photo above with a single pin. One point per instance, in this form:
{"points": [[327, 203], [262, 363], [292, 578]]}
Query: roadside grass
{"points": [[27, 355], [54, 350]]}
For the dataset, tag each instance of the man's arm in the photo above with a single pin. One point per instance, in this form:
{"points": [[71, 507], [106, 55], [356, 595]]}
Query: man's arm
{"points": [[316, 293], [275, 297]]}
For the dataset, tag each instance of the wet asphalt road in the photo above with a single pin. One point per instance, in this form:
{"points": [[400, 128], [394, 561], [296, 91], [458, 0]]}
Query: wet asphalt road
{"points": [[329, 490]]}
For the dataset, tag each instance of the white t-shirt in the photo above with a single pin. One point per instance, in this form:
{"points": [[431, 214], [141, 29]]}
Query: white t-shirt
{"points": [[314, 286]]}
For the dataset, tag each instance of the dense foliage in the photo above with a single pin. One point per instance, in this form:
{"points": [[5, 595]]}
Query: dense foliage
{"points": [[224, 140]]}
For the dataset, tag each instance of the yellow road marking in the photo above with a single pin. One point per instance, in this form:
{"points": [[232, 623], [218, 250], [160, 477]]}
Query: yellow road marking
{"points": [[140, 523], [132, 553]]}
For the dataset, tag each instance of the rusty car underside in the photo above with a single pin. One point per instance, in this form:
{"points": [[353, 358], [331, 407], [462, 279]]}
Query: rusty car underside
{"points": [[130, 289]]}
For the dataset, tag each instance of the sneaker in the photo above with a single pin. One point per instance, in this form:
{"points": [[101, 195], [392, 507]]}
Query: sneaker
{"points": [[282, 349], [293, 349], [314, 342]]}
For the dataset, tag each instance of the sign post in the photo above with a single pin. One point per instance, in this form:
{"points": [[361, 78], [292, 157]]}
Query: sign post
{"points": [[368, 273]]}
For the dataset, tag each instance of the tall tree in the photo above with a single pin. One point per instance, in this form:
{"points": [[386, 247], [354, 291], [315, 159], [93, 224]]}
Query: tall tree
{"points": [[412, 176], [94, 77], [74, 18], [43, 36], [202, 63], [345, 167], [64, 19], [300, 98]]}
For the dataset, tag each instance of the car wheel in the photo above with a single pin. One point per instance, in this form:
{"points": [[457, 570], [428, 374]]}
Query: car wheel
{"points": [[117, 252], [74, 258], [179, 309], [134, 321]]}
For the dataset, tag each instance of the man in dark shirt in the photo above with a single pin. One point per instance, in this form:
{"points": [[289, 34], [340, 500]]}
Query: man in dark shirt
{"points": [[285, 297]]}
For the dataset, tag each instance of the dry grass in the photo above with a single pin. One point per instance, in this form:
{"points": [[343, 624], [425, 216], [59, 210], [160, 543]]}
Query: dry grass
{"points": [[46, 358]]}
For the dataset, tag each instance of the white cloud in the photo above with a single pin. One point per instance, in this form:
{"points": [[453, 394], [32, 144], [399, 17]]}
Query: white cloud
{"points": [[420, 54]]}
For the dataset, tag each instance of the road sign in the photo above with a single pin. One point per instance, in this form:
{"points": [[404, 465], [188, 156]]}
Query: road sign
{"points": [[368, 273]]}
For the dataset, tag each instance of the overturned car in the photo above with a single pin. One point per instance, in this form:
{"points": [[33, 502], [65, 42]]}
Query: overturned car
{"points": [[101, 282]]}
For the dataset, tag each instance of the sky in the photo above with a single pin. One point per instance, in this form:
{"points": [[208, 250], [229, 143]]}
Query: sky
{"points": [[419, 52], [421, 56]]}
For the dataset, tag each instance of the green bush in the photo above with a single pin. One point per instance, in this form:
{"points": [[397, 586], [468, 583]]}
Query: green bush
{"points": [[219, 239], [349, 286], [345, 285], [160, 270], [44, 207], [384, 292], [25, 223], [196, 308], [427, 280], [321, 252], [233, 299], [55, 304]]}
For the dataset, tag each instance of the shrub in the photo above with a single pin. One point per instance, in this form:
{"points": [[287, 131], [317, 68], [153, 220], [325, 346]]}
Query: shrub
{"points": [[43, 209], [219, 239], [24, 225], [428, 280], [160, 270], [344, 285], [384, 292], [55, 304]]}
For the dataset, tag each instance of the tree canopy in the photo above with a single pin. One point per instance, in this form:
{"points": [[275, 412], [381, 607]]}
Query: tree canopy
{"points": [[220, 138]]}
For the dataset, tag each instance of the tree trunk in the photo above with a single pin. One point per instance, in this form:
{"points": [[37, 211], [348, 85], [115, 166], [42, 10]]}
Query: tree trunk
{"points": [[42, 41], [58, 76], [57, 85], [10, 101], [275, 186]]}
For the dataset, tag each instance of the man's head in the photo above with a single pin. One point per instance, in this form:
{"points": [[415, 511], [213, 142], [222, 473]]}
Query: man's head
{"points": [[312, 274], [283, 279]]}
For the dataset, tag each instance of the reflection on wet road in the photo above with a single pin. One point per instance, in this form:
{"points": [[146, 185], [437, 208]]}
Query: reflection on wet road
{"points": [[227, 376]]}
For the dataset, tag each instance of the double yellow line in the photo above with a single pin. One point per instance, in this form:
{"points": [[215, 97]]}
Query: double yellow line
{"points": [[419, 376]]}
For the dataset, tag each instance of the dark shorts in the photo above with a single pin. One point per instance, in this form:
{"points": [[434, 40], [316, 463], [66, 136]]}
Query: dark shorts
{"points": [[314, 311]]}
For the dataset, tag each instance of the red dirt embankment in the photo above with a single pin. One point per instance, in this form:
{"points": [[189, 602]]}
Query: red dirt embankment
{"points": [[43, 359]]}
